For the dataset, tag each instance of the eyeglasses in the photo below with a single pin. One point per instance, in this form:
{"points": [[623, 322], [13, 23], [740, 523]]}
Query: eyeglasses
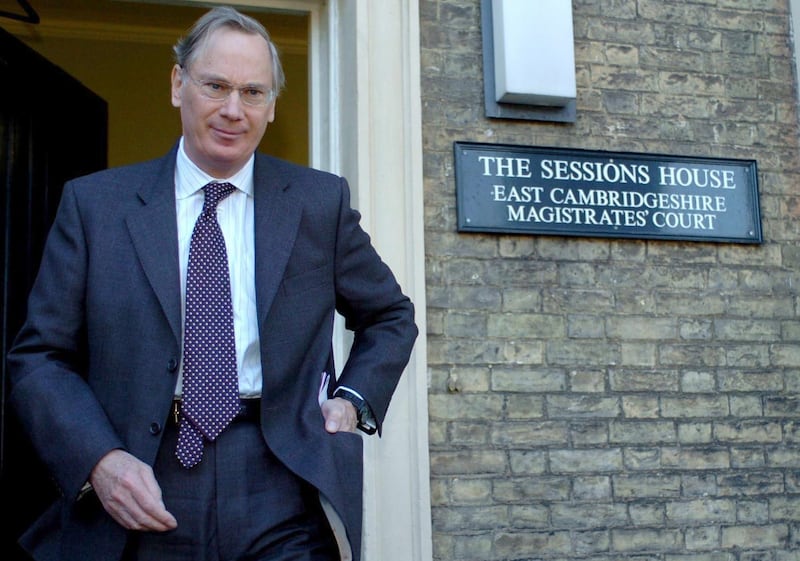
{"points": [[218, 90]]}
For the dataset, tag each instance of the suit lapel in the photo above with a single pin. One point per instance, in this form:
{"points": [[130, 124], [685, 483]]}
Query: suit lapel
{"points": [[277, 218], [154, 231]]}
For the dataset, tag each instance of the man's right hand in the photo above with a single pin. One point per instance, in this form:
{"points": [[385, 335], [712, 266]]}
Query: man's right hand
{"points": [[130, 493]]}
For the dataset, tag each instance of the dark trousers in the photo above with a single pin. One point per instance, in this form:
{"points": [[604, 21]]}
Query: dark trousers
{"points": [[238, 504]]}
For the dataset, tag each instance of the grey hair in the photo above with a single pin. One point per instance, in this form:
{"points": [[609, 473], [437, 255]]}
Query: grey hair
{"points": [[187, 47]]}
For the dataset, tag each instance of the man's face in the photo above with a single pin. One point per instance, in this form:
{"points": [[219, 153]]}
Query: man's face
{"points": [[221, 135]]}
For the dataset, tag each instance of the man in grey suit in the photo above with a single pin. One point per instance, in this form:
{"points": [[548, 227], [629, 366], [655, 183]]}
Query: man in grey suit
{"points": [[98, 375]]}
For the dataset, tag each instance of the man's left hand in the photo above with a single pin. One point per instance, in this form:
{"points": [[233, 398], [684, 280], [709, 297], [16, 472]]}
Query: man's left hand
{"points": [[340, 415]]}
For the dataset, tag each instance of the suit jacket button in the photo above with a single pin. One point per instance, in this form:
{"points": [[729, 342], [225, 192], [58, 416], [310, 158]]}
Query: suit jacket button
{"points": [[172, 365], [155, 428]]}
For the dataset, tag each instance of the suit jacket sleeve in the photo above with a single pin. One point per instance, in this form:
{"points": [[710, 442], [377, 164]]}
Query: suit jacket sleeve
{"points": [[69, 429], [375, 309]]}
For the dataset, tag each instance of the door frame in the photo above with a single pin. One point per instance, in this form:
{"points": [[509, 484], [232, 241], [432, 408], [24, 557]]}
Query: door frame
{"points": [[366, 124]]}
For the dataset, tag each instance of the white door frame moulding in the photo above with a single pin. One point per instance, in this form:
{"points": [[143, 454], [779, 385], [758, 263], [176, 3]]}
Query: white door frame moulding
{"points": [[794, 9], [380, 149], [366, 124]]}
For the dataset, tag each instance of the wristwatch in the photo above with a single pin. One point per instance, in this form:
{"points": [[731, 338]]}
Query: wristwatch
{"points": [[363, 412]]}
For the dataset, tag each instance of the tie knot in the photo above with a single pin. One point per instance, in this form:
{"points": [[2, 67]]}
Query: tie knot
{"points": [[215, 192]]}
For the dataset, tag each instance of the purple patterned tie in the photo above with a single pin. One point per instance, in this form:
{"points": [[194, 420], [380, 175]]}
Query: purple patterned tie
{"points": [[210, 383]]}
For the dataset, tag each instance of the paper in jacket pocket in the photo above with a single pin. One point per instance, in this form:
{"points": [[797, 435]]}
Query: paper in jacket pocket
{"points": [[325, 379]]}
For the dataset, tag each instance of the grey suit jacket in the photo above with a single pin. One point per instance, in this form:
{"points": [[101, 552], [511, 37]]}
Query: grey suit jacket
{"points": [[99, 352]]}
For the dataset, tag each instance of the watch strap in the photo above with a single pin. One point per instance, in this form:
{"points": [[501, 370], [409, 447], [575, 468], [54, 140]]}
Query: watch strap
{"points": [[365, 418]]}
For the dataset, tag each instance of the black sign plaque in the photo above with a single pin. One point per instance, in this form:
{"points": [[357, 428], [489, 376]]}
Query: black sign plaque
{"points": [[571, 192]]}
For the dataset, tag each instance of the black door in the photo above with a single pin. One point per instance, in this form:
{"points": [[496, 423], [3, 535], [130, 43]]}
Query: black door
{"points": [[52, 128]]}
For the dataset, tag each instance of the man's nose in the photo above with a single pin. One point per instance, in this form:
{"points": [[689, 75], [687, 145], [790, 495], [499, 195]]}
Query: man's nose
{"points": [[233, 106]]}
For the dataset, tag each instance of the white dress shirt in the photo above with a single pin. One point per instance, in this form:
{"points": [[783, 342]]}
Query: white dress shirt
{"points": [[235, 217]]}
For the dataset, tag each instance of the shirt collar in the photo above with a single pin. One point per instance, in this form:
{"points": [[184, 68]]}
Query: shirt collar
{"points": [[189, 178]]}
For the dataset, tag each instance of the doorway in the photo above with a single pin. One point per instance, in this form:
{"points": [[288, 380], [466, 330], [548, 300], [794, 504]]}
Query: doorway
{"points": [[122, 50], [92, 91], [41, 146]]}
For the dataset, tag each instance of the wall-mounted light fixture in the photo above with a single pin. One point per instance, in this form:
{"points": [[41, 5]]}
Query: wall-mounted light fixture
{"points": [[529, 59]]}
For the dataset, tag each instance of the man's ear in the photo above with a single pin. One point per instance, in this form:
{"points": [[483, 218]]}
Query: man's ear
{"points": [[177, 83]]}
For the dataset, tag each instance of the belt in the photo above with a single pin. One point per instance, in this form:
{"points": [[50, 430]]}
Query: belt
{"points": [[249, 410]]}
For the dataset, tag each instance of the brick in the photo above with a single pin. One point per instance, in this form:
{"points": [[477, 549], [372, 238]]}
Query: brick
{"points": [[508, 544], [529, 434], [747, 457], [578, 353], [691, 355], [756, 431], [521, 300], [533, 326], [696, 329], [750, 483], [592, 488], [782, 406], [695, 406], [471, 491], [699, 485], [588, 433], [638, 353], [753, 512], [461, 406], [574, 461], [646, 486], [582, 406], [632, 380], [585, 327], [698, 459], [704, 538], [695, 433], [746, 405], [640, 407], [785, 508], [633, 328], [468, 462], [519, 380], [589, 515], [527, 462], [750, 381], [529, 516], [475, 547], [469, 379], [469, 433], [474, 517], [625, 540], [639, 459], [524, 406], [698, 382], [587, 381], [755, 536], [464, 324], [646, 514], [527, 489], [642, 432], [703, 511], [591, 541]]}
